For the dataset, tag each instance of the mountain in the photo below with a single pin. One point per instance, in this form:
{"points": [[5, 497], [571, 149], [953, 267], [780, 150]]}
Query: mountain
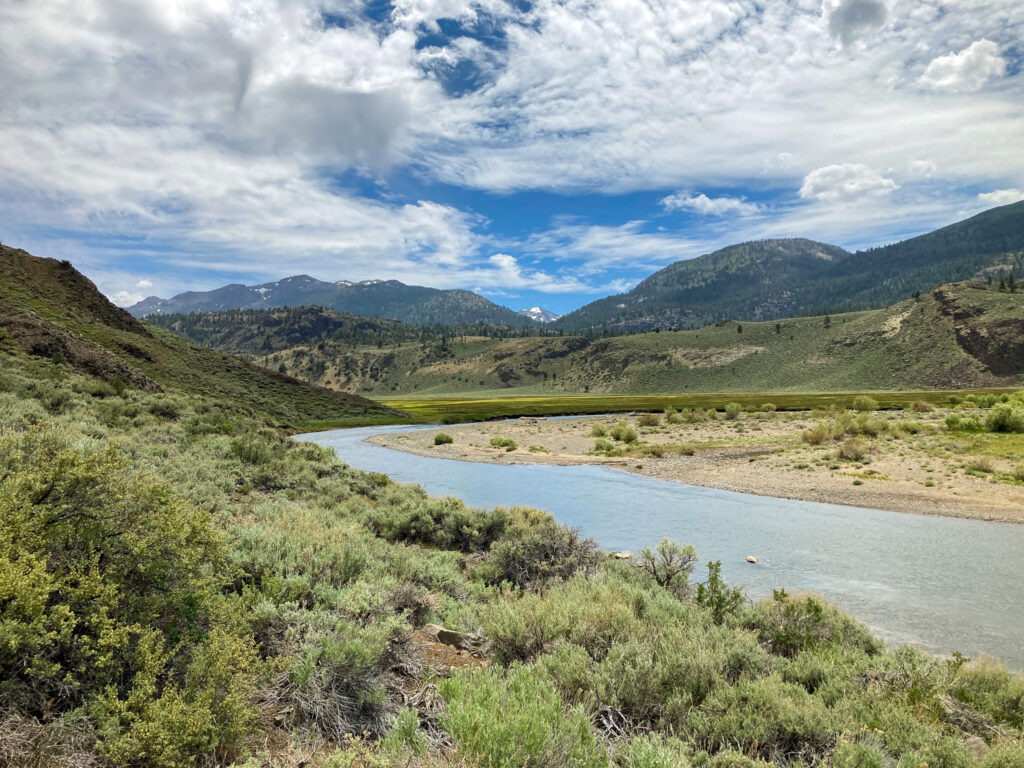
{"points": [[539, 314], [411, 304], [768, 279], [968, 334], [51, 312]]}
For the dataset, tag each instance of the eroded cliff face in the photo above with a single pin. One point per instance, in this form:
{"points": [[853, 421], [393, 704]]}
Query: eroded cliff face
{"points": [[996, 342]]}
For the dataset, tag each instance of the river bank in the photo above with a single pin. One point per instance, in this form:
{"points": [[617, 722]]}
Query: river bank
{"points": [[910, 465]]}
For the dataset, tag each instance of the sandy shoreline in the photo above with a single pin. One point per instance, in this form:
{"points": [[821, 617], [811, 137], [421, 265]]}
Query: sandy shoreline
{"points": [[760, 454]]}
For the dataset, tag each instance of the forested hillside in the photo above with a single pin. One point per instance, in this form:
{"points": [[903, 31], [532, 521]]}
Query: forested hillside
{"points": [[770, 279], [411, 304]]}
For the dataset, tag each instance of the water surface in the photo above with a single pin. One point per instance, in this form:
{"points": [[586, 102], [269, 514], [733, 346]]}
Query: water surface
{"points": [[945, 584]]}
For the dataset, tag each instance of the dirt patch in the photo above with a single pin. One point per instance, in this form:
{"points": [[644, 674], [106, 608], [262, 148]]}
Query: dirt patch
{"points": [[712, 358]]}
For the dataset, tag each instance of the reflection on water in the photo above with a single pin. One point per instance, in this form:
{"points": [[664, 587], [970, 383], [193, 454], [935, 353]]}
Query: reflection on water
{"points": [[943, 583]]}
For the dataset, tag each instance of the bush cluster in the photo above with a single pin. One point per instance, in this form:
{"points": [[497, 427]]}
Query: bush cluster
{"points": [[175, 578]]}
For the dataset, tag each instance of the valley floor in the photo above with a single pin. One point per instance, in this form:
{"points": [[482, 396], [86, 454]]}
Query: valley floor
{"points": [[926, 470]]}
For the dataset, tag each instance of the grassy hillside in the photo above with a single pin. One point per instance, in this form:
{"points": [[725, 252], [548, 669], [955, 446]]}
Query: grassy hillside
{"points": [[49, 310], [778, 278], [960, 335]]}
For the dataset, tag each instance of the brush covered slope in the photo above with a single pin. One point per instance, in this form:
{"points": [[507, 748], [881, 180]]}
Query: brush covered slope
{"points": [[371, 298], [770, 279], [50, 310], [959, 335], [182, 587]]}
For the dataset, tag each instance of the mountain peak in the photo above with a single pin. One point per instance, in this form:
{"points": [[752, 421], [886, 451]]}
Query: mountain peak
{"points": [[539, 314]]}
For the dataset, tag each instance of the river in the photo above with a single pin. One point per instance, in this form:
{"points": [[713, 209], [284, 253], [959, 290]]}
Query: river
{"points": [[945, 584]]}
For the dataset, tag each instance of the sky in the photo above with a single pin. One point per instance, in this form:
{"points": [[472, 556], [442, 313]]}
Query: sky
{"points": [[540, 153]]}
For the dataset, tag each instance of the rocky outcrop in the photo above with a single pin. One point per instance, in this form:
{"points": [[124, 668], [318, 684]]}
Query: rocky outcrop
{"points": [[998, 343]]}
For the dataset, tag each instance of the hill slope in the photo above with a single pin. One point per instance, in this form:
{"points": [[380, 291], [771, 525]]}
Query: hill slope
{"points": [[960, 335], [372, 298], [769, 279], [49, 310]]}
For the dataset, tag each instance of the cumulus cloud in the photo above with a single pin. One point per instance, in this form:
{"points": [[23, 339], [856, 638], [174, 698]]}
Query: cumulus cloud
{"points": [[967, 70], [1001, 197], [844, 182], [709, 206], [259, 137], [850, 19]]}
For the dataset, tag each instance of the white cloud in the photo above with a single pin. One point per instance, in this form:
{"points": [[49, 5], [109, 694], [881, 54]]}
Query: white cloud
{"points": [[598, 248], [709, 206], [967, 70], [923, 168], [850, 19], [1001, 197], [844, 182], [216, 132]]}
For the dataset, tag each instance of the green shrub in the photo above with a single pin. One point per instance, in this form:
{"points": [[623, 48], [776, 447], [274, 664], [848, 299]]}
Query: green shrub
{"points": [[818, 435], [536, 550], [1006, 754], [768, 407], [648, 420], [503, 442], [670, 565], [663, 449], [733, 410], [981, 465], [863, 403], [603, 446], [623, 433], [957, 423], [652, 750], [717, 596], [69, 629], [443, 438], [534, 727], [597, 430], [922, 406], [251, 450], [867, 751], [986, 685], [729, 758], [411, 515], [1005, 418], [787, 625], [210, 714], [852, 450], [763, 717]]}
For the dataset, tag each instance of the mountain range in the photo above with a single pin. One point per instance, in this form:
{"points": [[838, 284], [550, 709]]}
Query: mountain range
{"points": [[757, 280], [412, 304]]}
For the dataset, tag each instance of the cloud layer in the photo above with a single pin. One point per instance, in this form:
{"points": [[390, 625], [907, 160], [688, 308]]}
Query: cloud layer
{"points": [[191, 142]]}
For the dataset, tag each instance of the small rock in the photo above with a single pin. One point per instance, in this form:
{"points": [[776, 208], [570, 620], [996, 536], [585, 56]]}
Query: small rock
{"points": [[451, 637], [623, 555], [751, 559], [977, 747]]}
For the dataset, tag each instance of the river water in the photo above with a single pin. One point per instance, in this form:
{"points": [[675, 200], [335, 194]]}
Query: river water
{"points": [[945, 584]]}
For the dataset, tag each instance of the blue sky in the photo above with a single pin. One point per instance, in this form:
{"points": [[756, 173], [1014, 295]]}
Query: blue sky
{"points": [[541, 153]]}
